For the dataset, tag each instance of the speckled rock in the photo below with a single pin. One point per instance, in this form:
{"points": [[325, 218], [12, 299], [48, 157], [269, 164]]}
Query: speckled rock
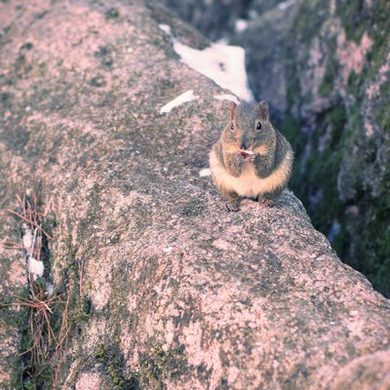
{"points": [[172, 290], [324, 67]]}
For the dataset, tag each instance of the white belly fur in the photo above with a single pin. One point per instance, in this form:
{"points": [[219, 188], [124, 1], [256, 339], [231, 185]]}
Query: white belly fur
{"points": [[248, 184]]}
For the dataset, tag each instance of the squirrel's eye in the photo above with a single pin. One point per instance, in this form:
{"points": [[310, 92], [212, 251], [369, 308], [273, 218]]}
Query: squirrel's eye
{"points": [[258, 126], [232, 127]]}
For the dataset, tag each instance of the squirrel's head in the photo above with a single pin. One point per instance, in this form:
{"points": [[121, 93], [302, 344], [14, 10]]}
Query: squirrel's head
{"points": [[249, 131]]}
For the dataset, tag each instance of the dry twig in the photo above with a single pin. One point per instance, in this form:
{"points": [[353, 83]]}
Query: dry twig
{"points": [[45, 341]]}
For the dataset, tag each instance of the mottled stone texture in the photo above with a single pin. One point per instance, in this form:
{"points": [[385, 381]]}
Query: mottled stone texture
{"points": [[333, 99], [337, 111], [324, 67], [178, 293]]}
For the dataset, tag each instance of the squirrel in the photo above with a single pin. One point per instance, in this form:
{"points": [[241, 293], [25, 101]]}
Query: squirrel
{"points": [[251, 159]]}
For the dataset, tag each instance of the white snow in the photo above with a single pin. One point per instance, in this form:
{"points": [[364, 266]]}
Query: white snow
{"points": [[241, 25], [165, 28], [205, 172], [222, 63], [49, 289], [181, 99], [223, 41], [35, 267], [286, 4], [27, 238], [228, 97]]}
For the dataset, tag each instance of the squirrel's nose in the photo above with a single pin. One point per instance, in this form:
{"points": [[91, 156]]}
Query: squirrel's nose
{"points": [[244, 143]]}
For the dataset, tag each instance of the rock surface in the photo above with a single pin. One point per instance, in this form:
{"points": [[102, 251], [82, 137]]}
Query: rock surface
{"points": [[334, 103], [172, 291], [324, 67]]}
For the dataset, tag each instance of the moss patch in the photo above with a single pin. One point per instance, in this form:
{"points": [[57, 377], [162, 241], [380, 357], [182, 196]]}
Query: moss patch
{"points": [[112, 360], [338, 172]]}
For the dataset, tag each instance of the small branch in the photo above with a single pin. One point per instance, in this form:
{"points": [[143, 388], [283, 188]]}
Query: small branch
{"points": [[30, 221]]}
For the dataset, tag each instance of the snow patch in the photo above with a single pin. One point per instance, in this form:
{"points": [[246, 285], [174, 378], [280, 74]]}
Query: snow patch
{"points": [[223, 64], [178, 101], [35, 267], [49, 289], [27, 238], [165, 28], [240, 25], [205, 172]]}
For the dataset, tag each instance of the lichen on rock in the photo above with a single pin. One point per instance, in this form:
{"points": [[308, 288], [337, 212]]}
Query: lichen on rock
{"points": [[169, 289]]}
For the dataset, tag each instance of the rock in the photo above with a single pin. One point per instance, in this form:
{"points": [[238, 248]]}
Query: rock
{"points": [[324, 67], [365, 373], [166, 288], [264, 49], [329, 78]]}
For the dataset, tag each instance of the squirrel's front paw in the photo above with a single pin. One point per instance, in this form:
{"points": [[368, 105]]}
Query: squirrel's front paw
{"points": [[233, 205]]}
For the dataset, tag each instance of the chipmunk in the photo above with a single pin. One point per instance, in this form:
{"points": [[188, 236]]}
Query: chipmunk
{"points": [[251, 159]]}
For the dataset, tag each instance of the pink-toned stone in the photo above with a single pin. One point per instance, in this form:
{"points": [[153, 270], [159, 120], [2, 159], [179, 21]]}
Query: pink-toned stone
{"points": [[351, 55], [89, 381], [365, 373], [183, 294]]}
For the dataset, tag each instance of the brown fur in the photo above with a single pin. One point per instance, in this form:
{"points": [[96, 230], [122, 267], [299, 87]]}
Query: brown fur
{"points": [[262, 149], [264, 176]]}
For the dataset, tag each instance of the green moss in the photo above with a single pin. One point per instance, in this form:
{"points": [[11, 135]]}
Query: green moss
{"points": [[320, 174], [358, 19], [112, 360], [310, 17], [337, 119], [112, 13], [353, 18], [331, 74], [370, 253], [371, 227], [86, 224], [363, 238], [42, 69], [160, 364], [99, 353], [36, 372], [116, 377], [356, 84]]}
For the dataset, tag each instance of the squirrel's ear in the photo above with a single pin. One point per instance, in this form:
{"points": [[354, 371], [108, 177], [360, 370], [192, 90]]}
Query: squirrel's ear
{"points": [[263, 110], [232, 114]]}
